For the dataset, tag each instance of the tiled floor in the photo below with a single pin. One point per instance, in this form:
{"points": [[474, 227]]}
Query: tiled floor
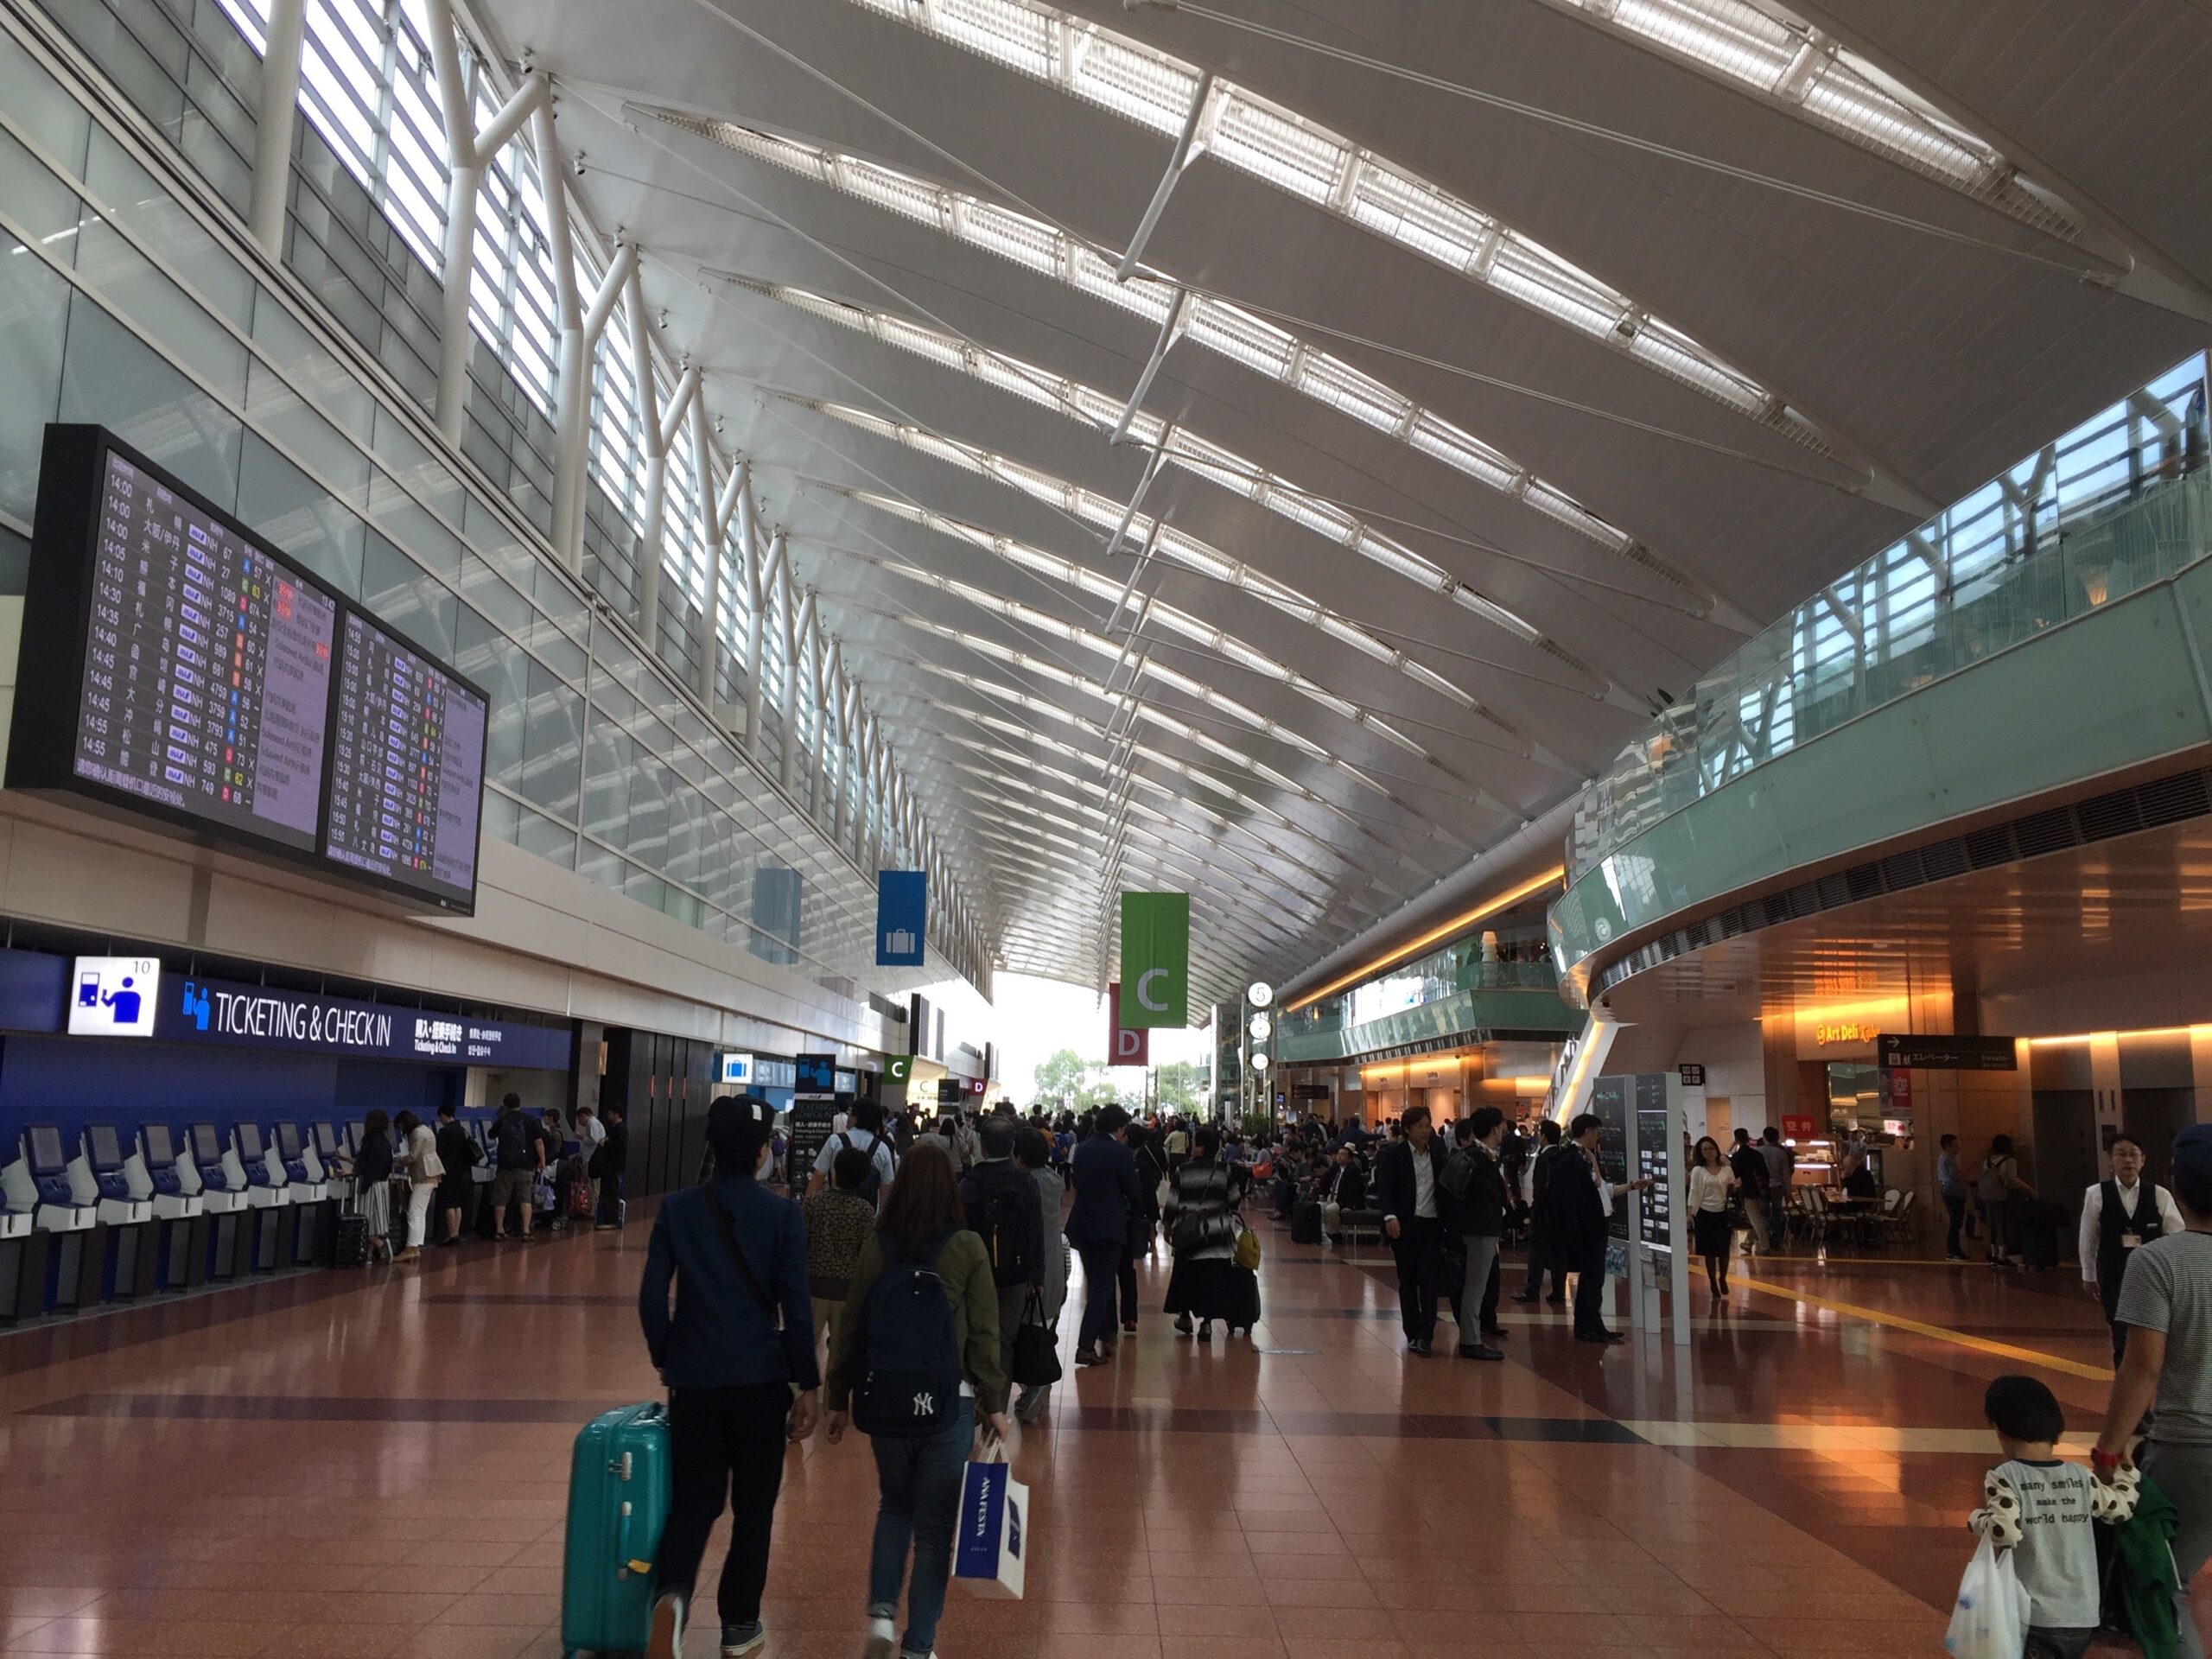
{"points": [[367, 1465]]}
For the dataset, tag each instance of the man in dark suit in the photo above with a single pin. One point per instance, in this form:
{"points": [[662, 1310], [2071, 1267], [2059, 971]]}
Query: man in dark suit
{"points": [[1344, 1187], [1406, 1184], [1474, 1192], [1105, 1174], [1540, 1254], [1575, 1221]]}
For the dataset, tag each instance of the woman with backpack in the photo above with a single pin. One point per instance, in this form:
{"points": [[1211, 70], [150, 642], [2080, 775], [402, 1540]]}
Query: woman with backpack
{"points": [[1207, 1283], [914, 1360]]}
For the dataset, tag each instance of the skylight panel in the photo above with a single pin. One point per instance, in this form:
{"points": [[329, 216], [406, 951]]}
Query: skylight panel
{"points": [[1536, 282], [898, 193], [1011, 34], [922, 342], [1277, 146], [1238, 334], [1461, 451], [1333, 522], [1232, 471], [1332, 380], [1368, 645], [1468, 599], [1669, 352], [1412, 566], [1139, 86], [1094, 275], [1419, 215], [1011, 236], [1185, 550], [1023, 381]]}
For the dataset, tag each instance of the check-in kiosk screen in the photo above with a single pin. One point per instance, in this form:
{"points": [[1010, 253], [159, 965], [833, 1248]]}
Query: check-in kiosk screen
{"points": [[248, 1138], [206, 1144], [207, 665], [107, 1148], [159, 1150], [46, 1149], [406, 769], [287, 1141], [326, 1141]]}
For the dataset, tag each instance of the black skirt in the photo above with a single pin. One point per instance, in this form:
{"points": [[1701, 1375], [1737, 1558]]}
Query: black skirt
{"points": [[1215, 1289], [1715, 1232]]}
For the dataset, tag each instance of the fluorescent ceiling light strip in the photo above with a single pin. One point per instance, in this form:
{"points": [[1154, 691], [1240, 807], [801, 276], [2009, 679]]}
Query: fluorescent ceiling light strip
{"points": [[1303, 158]]}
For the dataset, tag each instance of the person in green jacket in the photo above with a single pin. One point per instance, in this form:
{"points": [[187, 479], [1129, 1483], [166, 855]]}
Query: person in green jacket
{"points": [[919, 1479]]}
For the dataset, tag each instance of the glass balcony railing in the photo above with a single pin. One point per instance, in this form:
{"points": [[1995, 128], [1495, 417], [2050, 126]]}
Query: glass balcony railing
{"points": [[2115, 504]]}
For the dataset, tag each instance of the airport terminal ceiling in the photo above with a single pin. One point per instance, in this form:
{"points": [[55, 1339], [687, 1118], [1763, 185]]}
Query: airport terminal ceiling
{"points": [[1497, 404]]}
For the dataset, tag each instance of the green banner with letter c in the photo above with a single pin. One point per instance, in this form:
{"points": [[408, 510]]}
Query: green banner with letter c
{"points": [[1155, 959]]}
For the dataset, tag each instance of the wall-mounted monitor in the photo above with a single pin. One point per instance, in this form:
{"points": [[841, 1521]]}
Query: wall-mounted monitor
{"points": [[406, 768], [172, 664], [176, 667]]}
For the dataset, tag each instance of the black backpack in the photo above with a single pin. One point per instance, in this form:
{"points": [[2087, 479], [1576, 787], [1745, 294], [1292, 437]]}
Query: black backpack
{"points": [[871, 1187], [511, 1136], [909, 1384], [1007, 1237], [1452, 1186]]}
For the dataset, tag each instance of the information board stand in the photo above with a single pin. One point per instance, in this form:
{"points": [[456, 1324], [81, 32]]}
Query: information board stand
{"points": [[1640, 1139]]}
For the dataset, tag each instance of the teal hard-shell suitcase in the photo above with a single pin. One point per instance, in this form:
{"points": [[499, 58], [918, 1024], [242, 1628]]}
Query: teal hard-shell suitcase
{"points": [[619, 1485]]}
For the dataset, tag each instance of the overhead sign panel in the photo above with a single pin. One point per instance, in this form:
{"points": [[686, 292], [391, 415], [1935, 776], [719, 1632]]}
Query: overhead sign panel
{"points": [[1949, 1054], [901, 916], [1125, 1045], [1156, 959]]}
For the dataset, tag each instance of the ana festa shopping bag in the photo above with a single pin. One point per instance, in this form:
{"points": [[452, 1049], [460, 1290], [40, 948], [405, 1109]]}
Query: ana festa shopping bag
{"points": [[991, 1543], [1991, 1619]]}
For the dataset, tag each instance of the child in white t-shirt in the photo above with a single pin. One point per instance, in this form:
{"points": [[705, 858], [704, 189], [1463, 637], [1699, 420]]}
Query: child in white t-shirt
{"points": [[2042, 1508]]}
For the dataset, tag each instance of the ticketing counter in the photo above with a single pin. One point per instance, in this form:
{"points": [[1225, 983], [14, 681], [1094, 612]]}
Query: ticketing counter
{"points": [[155, 1174]]}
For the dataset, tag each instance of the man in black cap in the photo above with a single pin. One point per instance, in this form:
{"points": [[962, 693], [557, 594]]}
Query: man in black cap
{"points": [[739, 1342], [2166, 1303]]}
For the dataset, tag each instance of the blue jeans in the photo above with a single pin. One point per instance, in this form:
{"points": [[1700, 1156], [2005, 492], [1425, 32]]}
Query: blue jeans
{"points": [[919, 1482]]}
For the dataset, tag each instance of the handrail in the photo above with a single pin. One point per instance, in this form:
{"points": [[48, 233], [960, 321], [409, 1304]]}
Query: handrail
{"points": [[2122, 500]]}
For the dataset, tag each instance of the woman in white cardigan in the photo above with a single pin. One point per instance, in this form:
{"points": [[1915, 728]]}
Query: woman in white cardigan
{"points": [[422, 1169]]}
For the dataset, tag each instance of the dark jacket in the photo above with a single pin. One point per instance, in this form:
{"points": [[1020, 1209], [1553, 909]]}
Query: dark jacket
{"points": [[1480, 1211], [373, 1166], [995, 1175], [1105, 1174], [1394, 1178], [457, 1152], [720, 1335], [1750, 1171], [612, 1156], [1570, 1216], [1344, 1185]]}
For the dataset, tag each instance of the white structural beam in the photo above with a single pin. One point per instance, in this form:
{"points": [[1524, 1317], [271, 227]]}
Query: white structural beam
{"points": [[468, 152], [649, 436], [1170, 330], [1187, 150], [728, 515], [278, 120]]}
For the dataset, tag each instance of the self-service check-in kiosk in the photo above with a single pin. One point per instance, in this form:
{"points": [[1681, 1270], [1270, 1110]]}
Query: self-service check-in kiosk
{"points": [[314, 1214], [155, 1172], [23, 1242], [209, 1174], [69, 1224], [99, 1175], [267, 1198]]}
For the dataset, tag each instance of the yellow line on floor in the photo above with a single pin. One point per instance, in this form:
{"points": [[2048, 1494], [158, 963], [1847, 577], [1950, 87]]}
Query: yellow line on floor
{"points": [[1956, 1338]]}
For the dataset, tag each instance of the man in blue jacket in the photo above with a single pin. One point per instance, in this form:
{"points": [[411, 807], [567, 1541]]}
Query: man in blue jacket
{"points": [[1106, 1195], [741, 1340]]}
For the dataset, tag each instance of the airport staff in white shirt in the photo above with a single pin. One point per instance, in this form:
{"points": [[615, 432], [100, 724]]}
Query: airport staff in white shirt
{"points": [[2118, 1217]]}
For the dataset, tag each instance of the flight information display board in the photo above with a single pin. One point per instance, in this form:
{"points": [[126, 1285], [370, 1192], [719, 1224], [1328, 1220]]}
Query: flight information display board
{"points": [[406, 768], [175, 666], [206, 678]]}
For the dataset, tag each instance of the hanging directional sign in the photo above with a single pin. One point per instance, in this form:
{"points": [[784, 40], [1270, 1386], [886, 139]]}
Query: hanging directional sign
{"points": [[901, 916], [1155, 959]]}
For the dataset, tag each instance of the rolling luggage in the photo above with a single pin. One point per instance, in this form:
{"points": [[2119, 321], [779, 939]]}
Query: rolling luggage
{"points": [[1305, 1222], [2036, 1231], [618, 1488]]}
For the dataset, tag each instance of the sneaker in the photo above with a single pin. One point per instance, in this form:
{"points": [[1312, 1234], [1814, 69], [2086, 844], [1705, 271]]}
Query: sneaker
{"points": [[739, 1639], [1026, 1408], [666, 1639], [1419, 1346], [1183, 1325], [883, 1639]]}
